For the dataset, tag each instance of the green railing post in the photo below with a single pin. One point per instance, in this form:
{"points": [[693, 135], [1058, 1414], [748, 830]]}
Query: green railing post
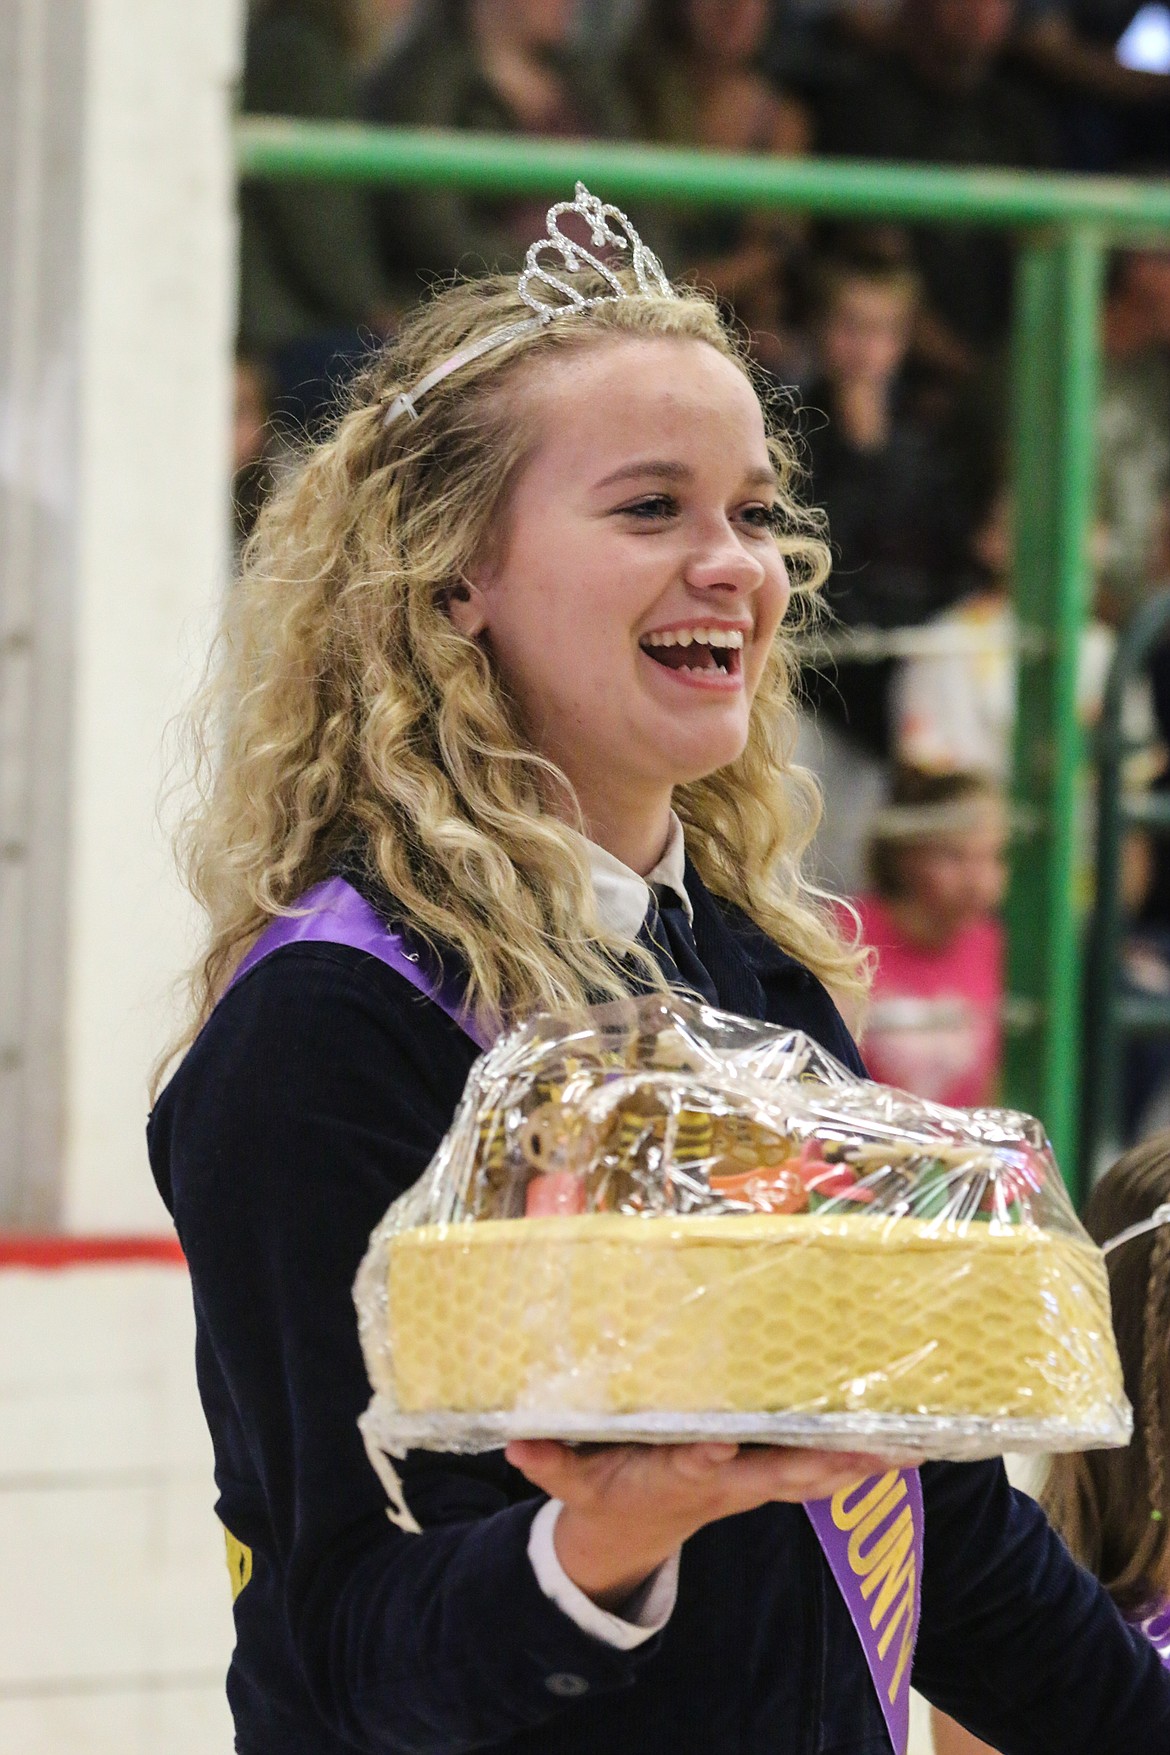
{"points": [[1057, 345], [1116, 1017]]}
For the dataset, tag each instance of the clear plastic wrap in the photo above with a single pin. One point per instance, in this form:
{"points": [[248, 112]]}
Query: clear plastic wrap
{"points": [[669, 1223]]}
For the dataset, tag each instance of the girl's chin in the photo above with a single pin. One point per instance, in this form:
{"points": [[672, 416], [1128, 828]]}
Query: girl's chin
{"points": [[689, 759]]}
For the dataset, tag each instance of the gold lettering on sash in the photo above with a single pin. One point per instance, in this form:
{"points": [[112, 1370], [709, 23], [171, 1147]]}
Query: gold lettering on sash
{"points": [[905, 1610], [881, 1554], [889, 1566], [862, 1562], [846, 1516], [239, 1559]]}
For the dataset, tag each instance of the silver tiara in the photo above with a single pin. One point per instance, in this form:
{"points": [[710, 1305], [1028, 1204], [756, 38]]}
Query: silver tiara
{"points": [[548, 260]]}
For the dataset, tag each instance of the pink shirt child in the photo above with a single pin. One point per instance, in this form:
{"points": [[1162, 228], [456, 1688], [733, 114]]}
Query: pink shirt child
{"points": [[933, 1026]]}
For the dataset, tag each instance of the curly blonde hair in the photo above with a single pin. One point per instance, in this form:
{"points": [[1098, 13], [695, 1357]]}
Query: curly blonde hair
{"points": [[342, 708]]}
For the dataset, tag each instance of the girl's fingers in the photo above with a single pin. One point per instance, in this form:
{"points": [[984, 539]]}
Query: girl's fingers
{"points": [[713, 1480], [546, 1463], [757, 1475], [696, 1461], [523, 1453]]}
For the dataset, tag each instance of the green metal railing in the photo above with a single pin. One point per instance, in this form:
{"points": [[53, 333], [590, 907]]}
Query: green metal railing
{"points": [[1119, 1016], [1065, 226]]}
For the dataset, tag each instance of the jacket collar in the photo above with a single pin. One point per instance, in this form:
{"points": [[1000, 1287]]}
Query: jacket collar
{"points": [[623, 896], [748, 969]]}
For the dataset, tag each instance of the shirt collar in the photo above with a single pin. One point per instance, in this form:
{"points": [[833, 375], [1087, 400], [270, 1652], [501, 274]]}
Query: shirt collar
{"points": [[623, 896]]}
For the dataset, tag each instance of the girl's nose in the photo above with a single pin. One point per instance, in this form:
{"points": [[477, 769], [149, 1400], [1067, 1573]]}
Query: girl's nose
{"points": [[721, 563]]}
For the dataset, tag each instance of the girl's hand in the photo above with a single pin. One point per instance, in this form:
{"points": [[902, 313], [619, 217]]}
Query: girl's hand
{"points": [[628, 1507]]}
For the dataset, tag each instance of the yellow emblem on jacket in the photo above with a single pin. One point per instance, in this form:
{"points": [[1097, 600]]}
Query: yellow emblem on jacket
{"points": [[239, 1560]]}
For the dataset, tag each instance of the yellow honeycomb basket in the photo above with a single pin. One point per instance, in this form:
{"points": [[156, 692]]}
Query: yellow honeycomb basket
{"points": [[600, 1316]]}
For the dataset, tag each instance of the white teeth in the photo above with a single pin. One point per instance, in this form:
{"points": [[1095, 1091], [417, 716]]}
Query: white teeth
{"points": [[731, 638]]}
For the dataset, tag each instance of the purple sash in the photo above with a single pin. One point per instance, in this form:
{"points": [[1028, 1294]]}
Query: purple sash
{"points": [[335, 914], [871, 1532], [871, 1536]]}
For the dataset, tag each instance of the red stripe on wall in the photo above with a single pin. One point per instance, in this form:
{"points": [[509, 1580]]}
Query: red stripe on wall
{"points": [[61, 1251]]}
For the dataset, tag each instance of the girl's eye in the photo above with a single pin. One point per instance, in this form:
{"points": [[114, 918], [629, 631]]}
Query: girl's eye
{"points": [[764, 517], [653, 506], [660, 506]]}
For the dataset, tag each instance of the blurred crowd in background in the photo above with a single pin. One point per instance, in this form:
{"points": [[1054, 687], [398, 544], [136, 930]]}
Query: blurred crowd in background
{"points": [[888, 345]]}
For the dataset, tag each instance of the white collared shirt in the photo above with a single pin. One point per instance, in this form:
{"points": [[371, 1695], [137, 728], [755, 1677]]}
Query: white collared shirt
{"points": [[623, 898]]}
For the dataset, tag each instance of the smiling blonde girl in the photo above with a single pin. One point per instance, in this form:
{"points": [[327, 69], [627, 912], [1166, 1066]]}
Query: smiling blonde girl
{"points": [[507, 658], [352, 708]]}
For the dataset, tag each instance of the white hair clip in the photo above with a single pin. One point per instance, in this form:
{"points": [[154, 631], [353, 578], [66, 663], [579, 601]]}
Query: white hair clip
{"points": [[608, 227], [1159, 1217]]}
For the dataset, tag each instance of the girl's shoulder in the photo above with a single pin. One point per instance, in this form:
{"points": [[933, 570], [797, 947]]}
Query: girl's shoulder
{"points": [[337, 993], [317, 1043], [317, 1016]]}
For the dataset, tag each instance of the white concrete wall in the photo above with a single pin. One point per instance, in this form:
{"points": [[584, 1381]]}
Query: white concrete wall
{"points": [[115, 1606], [156, 326]]}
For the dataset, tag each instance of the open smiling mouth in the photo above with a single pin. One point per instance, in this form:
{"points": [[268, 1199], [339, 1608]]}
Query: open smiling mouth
{"points": [[703, 649]]}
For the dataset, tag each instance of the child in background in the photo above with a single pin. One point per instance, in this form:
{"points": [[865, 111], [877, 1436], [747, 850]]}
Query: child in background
{"points": [[1111, 1506], [953, 705], [937, 870]]}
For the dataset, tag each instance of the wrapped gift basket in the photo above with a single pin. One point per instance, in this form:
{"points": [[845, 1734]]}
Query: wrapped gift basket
{"points": [[669, 1223]]}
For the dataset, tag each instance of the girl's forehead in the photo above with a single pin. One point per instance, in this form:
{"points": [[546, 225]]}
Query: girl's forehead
{"points": [[609, 395]]}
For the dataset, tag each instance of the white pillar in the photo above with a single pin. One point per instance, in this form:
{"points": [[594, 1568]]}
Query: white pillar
{"points": [[41, 89], [118, 418]]}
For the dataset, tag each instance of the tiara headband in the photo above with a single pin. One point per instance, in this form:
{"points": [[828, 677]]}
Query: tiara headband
{"points": [[608, 226]]}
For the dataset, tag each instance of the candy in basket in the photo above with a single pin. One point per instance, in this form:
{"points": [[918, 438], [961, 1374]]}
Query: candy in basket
{"points": [[668, 1223]]}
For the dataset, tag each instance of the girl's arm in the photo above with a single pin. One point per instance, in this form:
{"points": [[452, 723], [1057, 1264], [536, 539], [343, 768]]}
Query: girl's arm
{"points": [[316, 1094], [627, 1508]]}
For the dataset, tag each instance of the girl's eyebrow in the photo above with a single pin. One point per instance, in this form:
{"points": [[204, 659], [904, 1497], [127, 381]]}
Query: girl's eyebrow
{"points": [[662, 469]]}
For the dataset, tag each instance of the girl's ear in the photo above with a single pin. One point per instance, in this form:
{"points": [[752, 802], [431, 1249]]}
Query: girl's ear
{"points": [[467, 608]]}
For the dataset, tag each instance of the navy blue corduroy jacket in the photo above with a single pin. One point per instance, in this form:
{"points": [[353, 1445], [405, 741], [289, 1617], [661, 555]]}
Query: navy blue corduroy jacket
{"points": [[315, 1094]]}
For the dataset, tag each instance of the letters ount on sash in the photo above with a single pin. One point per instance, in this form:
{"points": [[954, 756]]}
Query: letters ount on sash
{"points": [[871, 1534]]}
